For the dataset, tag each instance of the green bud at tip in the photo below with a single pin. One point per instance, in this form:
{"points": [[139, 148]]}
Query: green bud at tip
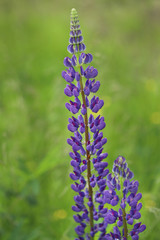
{"points": [[74, 13]]}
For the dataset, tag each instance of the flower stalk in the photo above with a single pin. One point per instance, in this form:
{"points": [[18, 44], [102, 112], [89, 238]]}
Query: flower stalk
{"points": [[125, 224], [88, 156]]}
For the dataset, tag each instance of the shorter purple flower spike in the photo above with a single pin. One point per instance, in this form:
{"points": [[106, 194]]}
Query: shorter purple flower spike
{"points": [[120, 180]]}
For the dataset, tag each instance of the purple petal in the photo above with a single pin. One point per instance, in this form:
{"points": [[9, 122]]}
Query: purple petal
{"points": [[74, 60], [87, 102], [69, 141], [95, 87], [130, 221], [137, 215], [100, 104], [101, 126], [67, 62], [95, 108], [86, 91], [75, 188], [78, 218], [77, 76], [70, 49], [76, 209], [75, 92], [142, 228], [68, 92], [63, 74], [83, 110], [72, 128], [73, 176]]}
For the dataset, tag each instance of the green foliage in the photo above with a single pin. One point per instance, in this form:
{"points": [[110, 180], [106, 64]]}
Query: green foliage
{"points": [[35, 194]]}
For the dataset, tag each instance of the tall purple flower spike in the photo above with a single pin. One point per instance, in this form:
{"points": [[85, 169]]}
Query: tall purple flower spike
{"points": [[93, 185]]}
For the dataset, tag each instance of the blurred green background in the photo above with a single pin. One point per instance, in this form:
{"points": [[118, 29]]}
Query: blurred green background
{"points": [[124, 38]]}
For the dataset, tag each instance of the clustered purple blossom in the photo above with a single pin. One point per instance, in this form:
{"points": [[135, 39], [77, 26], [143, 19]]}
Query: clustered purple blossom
{"points": [[97, 191], [124, 191]]}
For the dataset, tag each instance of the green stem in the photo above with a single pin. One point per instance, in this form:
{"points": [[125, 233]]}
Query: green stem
{"points": [[124, 213], [88, 158], [125, 224]]}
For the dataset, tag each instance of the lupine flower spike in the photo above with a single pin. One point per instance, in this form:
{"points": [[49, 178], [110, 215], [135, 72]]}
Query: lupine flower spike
{"points": [[93, 189], [120, 181]]}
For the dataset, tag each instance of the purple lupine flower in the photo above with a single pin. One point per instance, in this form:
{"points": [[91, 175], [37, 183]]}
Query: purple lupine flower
{"points": [[121, 181], [86, 155], [93, 185]]}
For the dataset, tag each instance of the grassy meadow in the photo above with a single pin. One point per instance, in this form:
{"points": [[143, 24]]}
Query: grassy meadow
{"points": [[124, 38]]}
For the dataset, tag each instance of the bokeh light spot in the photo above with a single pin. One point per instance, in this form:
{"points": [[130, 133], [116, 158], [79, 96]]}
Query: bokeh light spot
{"points": [[107, 101], [150, 85], [148, 200], [60, 214], [155, 118]]}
